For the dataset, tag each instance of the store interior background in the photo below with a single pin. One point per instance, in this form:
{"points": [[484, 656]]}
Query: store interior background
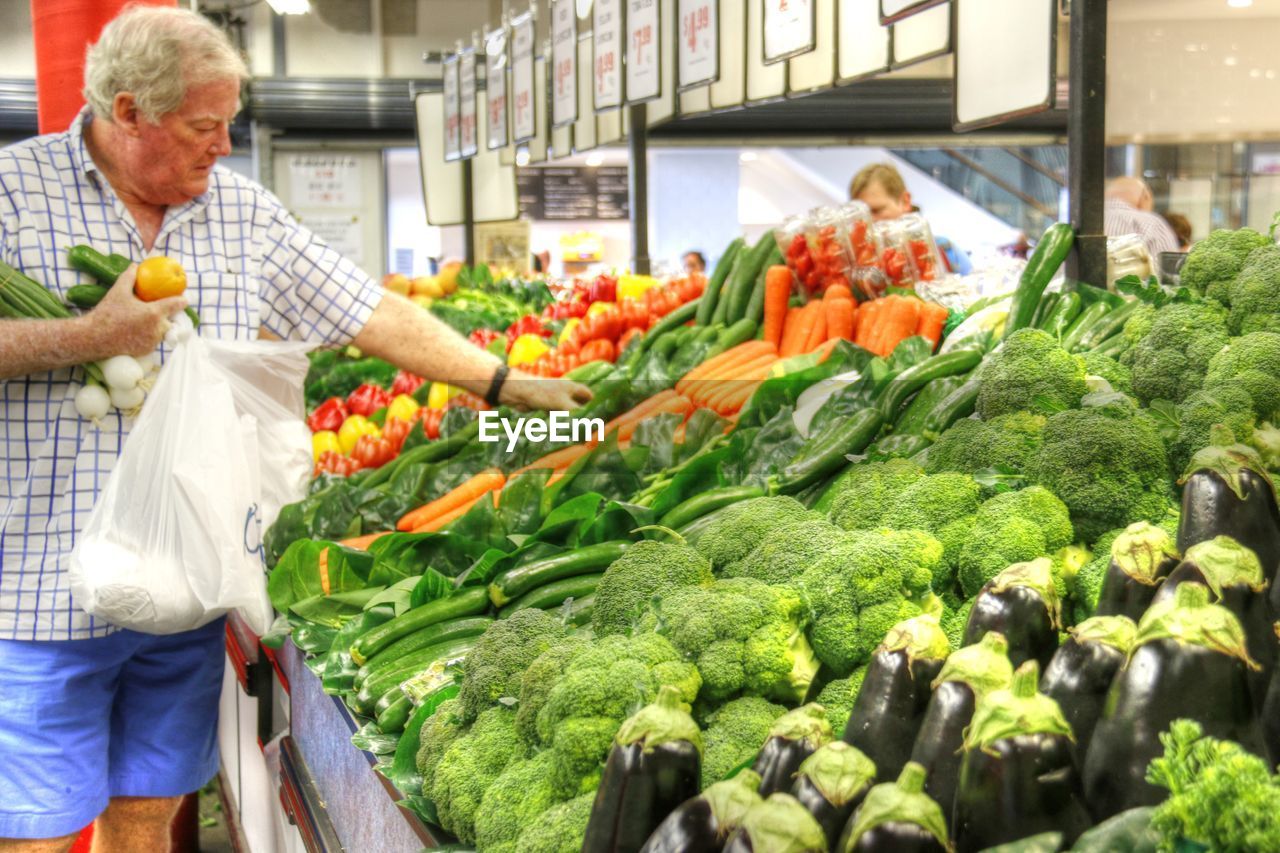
{"points": [[1192, 104]]}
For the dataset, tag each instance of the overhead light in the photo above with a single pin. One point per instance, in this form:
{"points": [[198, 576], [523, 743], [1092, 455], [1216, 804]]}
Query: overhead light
{"points": [[290, 7], [1239, 4], [522, 157], [595, 159]]}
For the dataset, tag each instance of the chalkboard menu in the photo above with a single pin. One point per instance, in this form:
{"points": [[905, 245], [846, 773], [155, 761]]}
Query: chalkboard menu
{"points": [[569, 193]]}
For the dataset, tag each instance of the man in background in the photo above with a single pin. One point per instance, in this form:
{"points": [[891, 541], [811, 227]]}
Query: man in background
{"points": [[1129, 209], [694, 261], [1181, 229], [880, 187]]}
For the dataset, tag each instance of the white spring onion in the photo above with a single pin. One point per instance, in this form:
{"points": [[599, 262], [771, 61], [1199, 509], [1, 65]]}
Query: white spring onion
{"points": [[92, 402], [125, 399], [122, 373]]}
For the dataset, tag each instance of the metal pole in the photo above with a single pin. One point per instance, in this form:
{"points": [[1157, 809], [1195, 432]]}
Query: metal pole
{"points": [[638, 190], [1087, 140], [468, 216]]}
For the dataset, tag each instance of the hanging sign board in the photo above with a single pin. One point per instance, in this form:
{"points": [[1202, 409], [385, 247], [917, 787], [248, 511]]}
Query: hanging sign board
{"points": [[523, 120], [608, 31], [698, 56], [495, 86], [892, 11], [863, 49], [469, 142], [452, 110], [643, 51], [541, 138], [816, 70], [765, 82], [1005, 52], [493, 184], [790, 28], [441, 181], [921, 37], [564, 63], [584, 129], [730, 88]]}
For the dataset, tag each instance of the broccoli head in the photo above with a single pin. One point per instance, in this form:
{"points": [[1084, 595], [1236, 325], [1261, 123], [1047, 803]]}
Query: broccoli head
{"points": [[1012, 527], [734, 733], [955, 616], [1029, 372], [560, 829], [1137, 327], [745, 636], [1170, 361], [1119, 377], [743, 526], [471, 764], [1215, 261], [838, 698], [647, 569], [496, 663], [1220, 412], [540, 677], [861, 495], [971, 445], [862, 587], [786, 553], [941, 504], [1253, 360], [1255, 294], [1103, 462], [439, 731], [515, 800]]}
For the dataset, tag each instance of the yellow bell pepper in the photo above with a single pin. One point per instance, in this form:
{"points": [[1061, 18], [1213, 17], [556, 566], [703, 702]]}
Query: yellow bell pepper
{"points": [[322, 441], [634, 286], [569, 325], [403, 407], [599, 308], [526, 349], [440, 394], [354, 427]]}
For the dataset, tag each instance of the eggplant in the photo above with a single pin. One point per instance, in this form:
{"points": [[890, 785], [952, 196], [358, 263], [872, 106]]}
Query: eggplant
{"points": [[654, 766], [1271, 714], [831, 784], [1234, 576], [1022, 603], [1190, 660], [895, 692], [968, 674], [1018, 777], [794, 737], [1228, 492], [1141, 557], [899, 817], [1080, 674], [703, 824], [780, 824]]}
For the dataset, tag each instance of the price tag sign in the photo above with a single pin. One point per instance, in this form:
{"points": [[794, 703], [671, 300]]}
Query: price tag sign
{"points": [[564, 63], [452, 110], [789, 29], [606, 57], [523, 124], [468, 133], [495, 81], [644, 36], [892, 11], [699, 47]]}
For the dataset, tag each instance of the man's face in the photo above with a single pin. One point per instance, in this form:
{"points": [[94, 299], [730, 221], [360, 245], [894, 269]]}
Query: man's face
{"points": [[884, 206], [692, 264], [176, 155]]}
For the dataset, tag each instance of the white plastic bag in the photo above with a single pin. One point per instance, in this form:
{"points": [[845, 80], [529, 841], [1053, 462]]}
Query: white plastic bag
{"points": [[174, 540]]}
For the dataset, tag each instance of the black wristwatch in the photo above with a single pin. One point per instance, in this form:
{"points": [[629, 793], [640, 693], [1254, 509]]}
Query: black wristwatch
{"points": [[495, 385]]}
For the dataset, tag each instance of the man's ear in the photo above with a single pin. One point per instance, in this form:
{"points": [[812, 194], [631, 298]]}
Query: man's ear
{"points": [[906, 199], [124, 113]]}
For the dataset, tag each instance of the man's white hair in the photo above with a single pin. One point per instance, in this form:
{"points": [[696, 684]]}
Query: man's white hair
{"points": [[156, 53]]}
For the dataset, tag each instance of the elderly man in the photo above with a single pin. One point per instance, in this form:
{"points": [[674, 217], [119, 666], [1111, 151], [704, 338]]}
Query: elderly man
{"points": [[97, 722], [880, 187], [1129, 209]]}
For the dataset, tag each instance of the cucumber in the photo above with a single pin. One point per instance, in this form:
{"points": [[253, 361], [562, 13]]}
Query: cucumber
{"points": [[592, 371], [960, 403], [1088, 318], [468, 626], [917, 376], [902, 444], [86, 295], [515, 582], [465, 629], [471, 601], [828, 453], [721, 312], [739, 333], [1113, 346], [711, 295], [1107, 326], [393, 710], [1063, 315], [580, 611], [911, 421], [1049, 254], [699, 505], [376, 686], [1047, 304], [105, 268], [755, 302], [675, 319], [554, 594], [744, 277]]}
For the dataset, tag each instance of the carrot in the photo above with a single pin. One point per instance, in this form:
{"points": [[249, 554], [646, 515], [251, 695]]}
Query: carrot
{"points": [[777, 290], [745, 371], [750, 349], [837, 291], [793, 342], [824, 351], [698, 386], [558, 474], [899, 324], [840, 314], [323, 566], [866, 319], [933, 318], [467, 493], [361, 543], [818, 333], [675, 405], [734, 401], [790, 329], [562, 458], [431, 525], [640, 411]]}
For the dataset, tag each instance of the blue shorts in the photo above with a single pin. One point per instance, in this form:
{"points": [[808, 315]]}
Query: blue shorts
{"points": [[81, 721]]}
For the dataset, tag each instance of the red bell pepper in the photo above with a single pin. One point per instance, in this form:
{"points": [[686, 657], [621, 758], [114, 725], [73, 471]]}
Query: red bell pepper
{"points": [[604, 289], [366, 400], [329, 415], [335, 463], [371, 452]]}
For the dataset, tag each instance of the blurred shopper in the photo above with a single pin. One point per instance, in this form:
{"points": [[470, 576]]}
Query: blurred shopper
{"points": [[1129, 209], [880, 187], [694, 261], [1181, 229]]}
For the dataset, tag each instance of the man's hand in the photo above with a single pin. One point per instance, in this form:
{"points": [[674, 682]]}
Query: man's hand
{"points": [[134, 327], [525, 392]]}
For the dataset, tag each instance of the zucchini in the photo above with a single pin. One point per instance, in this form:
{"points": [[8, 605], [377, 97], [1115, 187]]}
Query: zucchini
{"points": [[516, 581], [960, 403], [376, 686], [744, 277], [901, 444], [917, 376], [911, 422], [1114, 346], [458, 629], [1063, 315], [1088, 318], [580, 611], [468, 626], [104, 268], [86, 295], [1047, 303], [755, 300], [711, 295], [699, 505], [471, 601], [1043, 264], [827, 454], [554, 594], [1107, 326], [393, 710]]}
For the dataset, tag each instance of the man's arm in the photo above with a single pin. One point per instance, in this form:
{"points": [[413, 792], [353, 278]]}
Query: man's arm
{"points": [[121, 324], [415, 340]]}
